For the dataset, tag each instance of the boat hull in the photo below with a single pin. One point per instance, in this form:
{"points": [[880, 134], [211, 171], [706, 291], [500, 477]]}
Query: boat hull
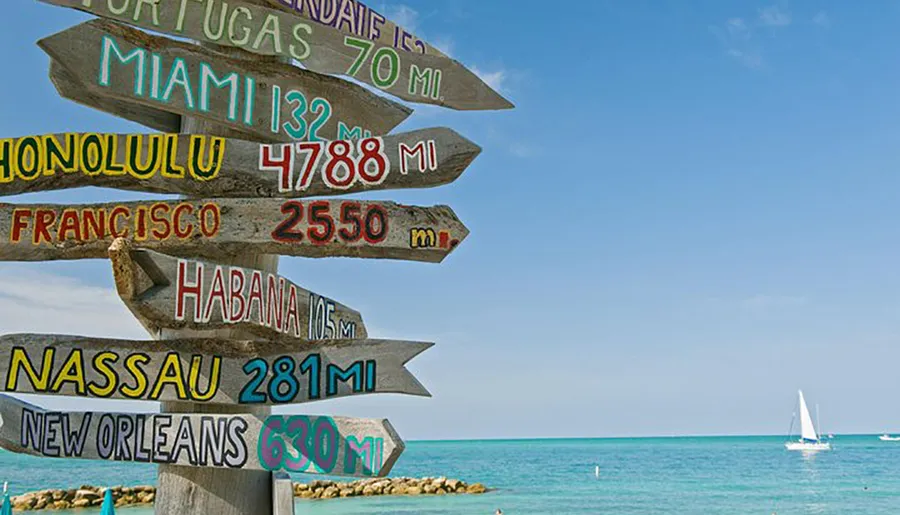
{"points": [[889, 438], [808, 446]]}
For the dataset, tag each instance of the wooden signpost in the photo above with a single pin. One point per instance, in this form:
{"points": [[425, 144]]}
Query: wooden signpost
{"points": [[292, 443], [274, 102], [245, 137], [206, 371], [207, 166], [178, 293], [220, 228], [415, 77]]}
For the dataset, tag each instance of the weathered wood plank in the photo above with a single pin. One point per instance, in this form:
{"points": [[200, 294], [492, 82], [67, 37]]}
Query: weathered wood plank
{"points": [[177, 293], [68, 87], [343, 446], [411, 76], [208, 166], [282, 494], [206, 371], [220, 228], [355, 17], [269, 100]]}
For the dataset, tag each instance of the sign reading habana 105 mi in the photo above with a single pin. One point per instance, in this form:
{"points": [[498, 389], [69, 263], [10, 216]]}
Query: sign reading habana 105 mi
{"points": [[266, 100], [304, 444], [207, 166], [205, 371], [219, 229], [413, 77], [176, 293]]}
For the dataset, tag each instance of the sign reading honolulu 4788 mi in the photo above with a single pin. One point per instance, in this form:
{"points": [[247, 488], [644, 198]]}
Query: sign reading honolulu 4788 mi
{"points": [[209, 166], [178, 293], [307, 444], [265, 100]]}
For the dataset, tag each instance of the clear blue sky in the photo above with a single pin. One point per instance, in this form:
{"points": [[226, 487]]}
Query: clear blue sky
{"points": [[692, 213]]}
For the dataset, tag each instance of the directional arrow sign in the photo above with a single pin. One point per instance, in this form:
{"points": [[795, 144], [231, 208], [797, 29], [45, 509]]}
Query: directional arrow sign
{"points": [[173, 293], [356, 18], [207, 166], [307, 444], [204, 371], [416, 77], [218, 229], [273, 101]]}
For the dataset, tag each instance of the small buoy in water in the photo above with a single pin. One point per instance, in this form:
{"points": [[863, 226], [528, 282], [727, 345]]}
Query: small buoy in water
{"points": [[597, 471]]}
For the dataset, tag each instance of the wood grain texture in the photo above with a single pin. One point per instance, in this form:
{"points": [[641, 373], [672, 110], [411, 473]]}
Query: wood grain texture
{"points": [[178, 293], [359, 447], [206, 371], [261, 96], [210, 490], [206, 166], [357, 18], [219, 229], [282, 494], [411, 76]]}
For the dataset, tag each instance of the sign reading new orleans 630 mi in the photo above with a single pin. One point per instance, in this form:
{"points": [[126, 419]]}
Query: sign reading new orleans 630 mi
{"points": [[218, 229], [305, 444], [208, 166], [266, 100]]}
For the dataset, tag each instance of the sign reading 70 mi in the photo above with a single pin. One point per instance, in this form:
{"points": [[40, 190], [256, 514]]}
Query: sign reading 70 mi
{"points": [[415, 77]]}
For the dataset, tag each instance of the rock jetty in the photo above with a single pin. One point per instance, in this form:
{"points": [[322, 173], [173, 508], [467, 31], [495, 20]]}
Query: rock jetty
{"points": [[88, 496], [386, 486]]}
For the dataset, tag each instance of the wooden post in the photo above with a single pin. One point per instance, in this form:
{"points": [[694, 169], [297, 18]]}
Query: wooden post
{"points": [[205, 490]]}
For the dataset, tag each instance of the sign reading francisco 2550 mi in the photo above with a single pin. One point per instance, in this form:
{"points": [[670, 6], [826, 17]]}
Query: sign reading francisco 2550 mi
{"points": [[304, 444], [265, 100], [220, 228], [207, 166], [205, 371]]}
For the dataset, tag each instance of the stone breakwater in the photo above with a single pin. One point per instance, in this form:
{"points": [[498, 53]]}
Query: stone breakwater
{"points": [[89, 496], [386, 486]]}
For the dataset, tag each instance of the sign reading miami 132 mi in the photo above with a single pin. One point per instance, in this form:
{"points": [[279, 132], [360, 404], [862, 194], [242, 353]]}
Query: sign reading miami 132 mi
{"points": [[266, 100]]}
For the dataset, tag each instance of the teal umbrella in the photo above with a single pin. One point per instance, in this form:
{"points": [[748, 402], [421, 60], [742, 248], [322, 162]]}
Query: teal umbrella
{"points": [[108, 507], [7, 504]]}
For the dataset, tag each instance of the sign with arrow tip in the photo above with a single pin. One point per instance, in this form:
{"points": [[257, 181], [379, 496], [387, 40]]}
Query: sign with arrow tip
{"points": [[207, 166], [177, 293], [302, 444], [206, 371], [218, 229], [411, 76], [272, 101]]}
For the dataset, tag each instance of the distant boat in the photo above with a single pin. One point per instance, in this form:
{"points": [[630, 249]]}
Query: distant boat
{"points": [[888, 438], [809, 440]]}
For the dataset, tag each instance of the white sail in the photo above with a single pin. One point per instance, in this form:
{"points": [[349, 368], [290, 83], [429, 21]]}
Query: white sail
{"points": [[807, 430]]}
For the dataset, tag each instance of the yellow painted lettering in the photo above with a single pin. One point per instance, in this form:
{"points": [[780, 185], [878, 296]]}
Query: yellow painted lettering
{"points": [[140, 377], [72, 372], [170, 374], [20, 360], [102, 365]]}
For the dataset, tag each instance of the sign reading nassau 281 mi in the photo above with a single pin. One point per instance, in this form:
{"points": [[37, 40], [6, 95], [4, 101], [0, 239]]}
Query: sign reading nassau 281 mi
{"points": [[217, 229]]}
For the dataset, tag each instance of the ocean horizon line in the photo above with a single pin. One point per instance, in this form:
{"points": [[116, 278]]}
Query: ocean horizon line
{"points": [[643, 437]]}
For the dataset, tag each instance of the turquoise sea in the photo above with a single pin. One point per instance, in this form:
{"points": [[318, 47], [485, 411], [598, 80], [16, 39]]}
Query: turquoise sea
{"points": [[640, 476]]}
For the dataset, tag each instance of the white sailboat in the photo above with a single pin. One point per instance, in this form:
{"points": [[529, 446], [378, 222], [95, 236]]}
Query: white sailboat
{"points": [[809, 440], [888, 438]]}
